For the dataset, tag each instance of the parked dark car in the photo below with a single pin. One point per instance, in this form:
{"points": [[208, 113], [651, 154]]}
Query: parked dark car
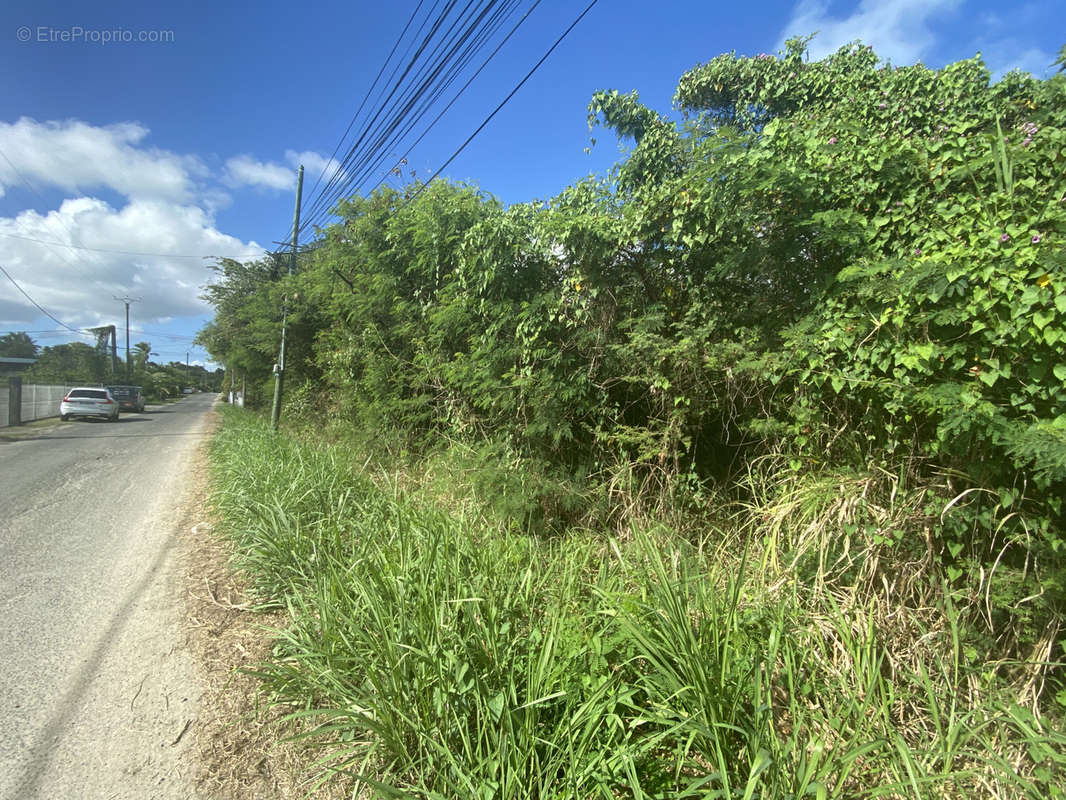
{"points": [[129, 398]]}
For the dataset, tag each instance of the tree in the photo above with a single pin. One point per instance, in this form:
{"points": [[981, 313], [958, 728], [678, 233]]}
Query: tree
{"points": [[18, 345], [246, 330], [71, 363], [141, 351], [376, 300]]}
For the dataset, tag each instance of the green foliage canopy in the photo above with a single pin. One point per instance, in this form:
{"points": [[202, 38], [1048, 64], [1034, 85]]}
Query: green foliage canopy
{"points": [[841, 261], [18, 344]]}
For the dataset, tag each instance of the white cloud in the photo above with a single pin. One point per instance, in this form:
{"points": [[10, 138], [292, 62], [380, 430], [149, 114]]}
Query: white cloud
{"points": [[1007, 54], [74, 259], [899, 30], [136, 220], [244, 170], [151, 249], [314, 164], [76, 157], [907, 31]]}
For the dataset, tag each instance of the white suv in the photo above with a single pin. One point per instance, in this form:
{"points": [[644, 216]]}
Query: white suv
{"points": [[88, 402]]}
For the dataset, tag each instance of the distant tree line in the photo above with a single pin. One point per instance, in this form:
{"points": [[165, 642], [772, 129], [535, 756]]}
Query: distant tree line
{"points": [[76, 363]]}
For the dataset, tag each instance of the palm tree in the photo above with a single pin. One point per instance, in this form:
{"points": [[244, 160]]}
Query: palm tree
{"points": [[17, 345], [141, 351]]}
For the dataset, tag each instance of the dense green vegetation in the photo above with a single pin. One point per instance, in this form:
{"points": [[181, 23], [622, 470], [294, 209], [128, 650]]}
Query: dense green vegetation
{"points": [[774, 416], [445, 655]]}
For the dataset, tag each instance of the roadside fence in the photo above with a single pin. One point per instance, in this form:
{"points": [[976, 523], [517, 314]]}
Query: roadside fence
{"points": [[24, 402]]}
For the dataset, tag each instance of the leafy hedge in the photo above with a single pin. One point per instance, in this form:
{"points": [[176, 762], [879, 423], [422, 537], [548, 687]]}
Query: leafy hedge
{"points": [[836, 265]]}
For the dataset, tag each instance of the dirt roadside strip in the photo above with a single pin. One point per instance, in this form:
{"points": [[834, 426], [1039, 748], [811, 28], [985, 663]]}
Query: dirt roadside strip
{"points": [[239, 747]]}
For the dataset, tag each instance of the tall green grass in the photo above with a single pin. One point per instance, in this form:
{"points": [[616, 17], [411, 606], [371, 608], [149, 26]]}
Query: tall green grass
{"points": [[438, 657]]}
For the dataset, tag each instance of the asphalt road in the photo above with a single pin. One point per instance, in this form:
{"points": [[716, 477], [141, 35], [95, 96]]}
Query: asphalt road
{"points": [[96, 689]]}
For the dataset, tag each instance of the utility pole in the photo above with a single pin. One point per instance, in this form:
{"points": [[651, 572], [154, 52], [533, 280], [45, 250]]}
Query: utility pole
{"points": [[186, 367], [127, 301], [279, 368]]}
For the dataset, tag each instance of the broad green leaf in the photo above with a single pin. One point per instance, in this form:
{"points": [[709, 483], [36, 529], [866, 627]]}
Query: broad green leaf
{"points": [[989, 377]]}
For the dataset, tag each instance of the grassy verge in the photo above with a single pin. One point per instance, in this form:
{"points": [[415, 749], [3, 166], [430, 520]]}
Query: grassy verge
{"points": [[439, 656]]}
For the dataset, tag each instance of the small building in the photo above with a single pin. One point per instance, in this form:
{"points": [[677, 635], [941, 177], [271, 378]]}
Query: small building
{"points": [[13, 366]]}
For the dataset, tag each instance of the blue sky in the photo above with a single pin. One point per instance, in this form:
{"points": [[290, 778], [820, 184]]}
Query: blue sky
{"points": [[186, 144]]}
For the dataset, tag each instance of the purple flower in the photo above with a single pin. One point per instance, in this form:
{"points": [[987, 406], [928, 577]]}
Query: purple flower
{"points": [[1036, 238], [1005, 237], [833, 140], [882, 105], [917, 251]]}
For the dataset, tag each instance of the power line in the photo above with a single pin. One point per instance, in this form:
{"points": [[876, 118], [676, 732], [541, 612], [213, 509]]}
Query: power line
{"points": [[82, 332], [367, 161], [395, 87], [62, 256], [418, 101], [39, 306], [402, 108], [415, 102], [174, 336], [339, 170], [19, 330], [52, 244], [512, 93], [367, 96], [466, 85], [34, 189], [450, 44]]}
